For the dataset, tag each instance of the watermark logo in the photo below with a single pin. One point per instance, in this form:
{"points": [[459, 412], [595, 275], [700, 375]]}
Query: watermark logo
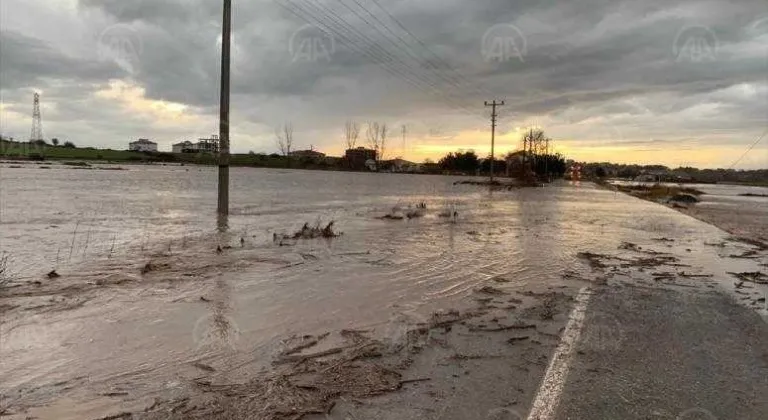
{"points": [[402, 332], [311, 44], [604, 333], [504, 42], [759, 27], [695, 44], [216, 331], [696, 414], [121, 44]]}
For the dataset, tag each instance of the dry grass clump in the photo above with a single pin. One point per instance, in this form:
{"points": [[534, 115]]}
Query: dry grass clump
{"points": [[658, 192], [308, 232], [303, 383], [5, 274]]}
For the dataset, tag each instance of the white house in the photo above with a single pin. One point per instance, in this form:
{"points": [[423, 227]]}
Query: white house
{"points": [[142, 145], [183, 147], [210, 145]]}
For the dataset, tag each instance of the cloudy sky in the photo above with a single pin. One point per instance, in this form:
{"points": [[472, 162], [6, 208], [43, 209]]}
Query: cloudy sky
{"points": [[678, 82]]}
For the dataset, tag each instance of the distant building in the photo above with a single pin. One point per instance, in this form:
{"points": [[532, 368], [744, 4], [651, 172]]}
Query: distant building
{"points": [[142, 145], [183, 147], [515, 163], [210, 145], [313, 154], [402, 165], [357, 158]]}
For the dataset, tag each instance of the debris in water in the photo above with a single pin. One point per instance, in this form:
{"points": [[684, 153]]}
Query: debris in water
{"points": [[663, 239], [203, 366], [147, 268], [418, 212], [752, 253], [752, 277], [595, 260], [316, 231], [53, 275], [308, 256], [754, 242], [490, 290], [630, 246], [684, 198], [219, 250]]}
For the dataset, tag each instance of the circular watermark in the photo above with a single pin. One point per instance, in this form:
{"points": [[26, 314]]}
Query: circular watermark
{"points": [[121, 44], [406, 330], [696, 414], [215, 330], [759, 27], [695, 44], [605, 333], [311, 44], [504, 42]]}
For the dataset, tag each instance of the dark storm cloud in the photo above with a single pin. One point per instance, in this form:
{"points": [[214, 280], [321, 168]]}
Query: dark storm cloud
{"points": [[27, 61], [630, 64]]}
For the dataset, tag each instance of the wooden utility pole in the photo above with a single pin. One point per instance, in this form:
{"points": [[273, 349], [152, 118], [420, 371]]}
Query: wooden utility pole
{"points": [[493, 104], [546, 158], [223, 207]]}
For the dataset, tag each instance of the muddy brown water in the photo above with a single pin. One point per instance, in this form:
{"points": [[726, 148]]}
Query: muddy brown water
{"points": [[120, 345]]}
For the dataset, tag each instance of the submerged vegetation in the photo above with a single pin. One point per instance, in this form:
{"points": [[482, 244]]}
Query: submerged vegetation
{"points": [[662, 193], [307, 232]]}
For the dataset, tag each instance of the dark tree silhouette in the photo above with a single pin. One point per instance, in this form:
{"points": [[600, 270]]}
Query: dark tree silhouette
{"points": [[460, 161]]}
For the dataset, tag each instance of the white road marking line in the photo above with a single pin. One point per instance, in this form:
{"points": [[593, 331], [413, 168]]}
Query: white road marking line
{"points": [[548, 398]]}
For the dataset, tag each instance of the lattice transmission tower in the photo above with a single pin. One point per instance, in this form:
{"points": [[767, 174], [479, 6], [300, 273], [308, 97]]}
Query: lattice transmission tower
{"points": [[37, 120]]}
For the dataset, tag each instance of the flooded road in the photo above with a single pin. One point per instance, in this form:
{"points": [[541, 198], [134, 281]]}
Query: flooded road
{"points": [[143, 295]]}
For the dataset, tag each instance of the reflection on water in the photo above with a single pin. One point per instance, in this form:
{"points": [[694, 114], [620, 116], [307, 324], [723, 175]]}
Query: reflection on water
{"points": [[229, 311]]}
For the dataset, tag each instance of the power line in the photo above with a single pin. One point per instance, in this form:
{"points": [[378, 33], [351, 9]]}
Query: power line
{"points": [[415, 71], [749, 149], [347, 32], [437, 57], [408, 48]]}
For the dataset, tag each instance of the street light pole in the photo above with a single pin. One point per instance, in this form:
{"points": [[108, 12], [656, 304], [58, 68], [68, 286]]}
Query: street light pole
{"points": [[223, 207]]}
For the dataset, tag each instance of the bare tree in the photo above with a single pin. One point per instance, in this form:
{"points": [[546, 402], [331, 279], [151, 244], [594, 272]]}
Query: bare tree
{"points": [[372, 134], [351, 133], [377, 138], [382, 140], [284, 137], [534, 140]]}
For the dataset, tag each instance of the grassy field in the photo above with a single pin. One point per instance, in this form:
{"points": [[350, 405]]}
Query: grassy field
{"points": [[31, 152]]}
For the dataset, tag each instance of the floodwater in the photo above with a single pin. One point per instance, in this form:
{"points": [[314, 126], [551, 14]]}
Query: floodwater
{"points": [[74, 352]]}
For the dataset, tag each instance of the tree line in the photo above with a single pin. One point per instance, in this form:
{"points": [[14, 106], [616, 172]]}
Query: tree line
{"points": [[535, 156]]}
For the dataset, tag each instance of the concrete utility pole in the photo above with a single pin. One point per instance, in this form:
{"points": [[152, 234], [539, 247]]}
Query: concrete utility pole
{"points": [[493, 104], [223, 207]]}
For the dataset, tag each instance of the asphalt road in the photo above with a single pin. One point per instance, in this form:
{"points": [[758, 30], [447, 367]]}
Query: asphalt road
{"points": [[649, 353]]}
